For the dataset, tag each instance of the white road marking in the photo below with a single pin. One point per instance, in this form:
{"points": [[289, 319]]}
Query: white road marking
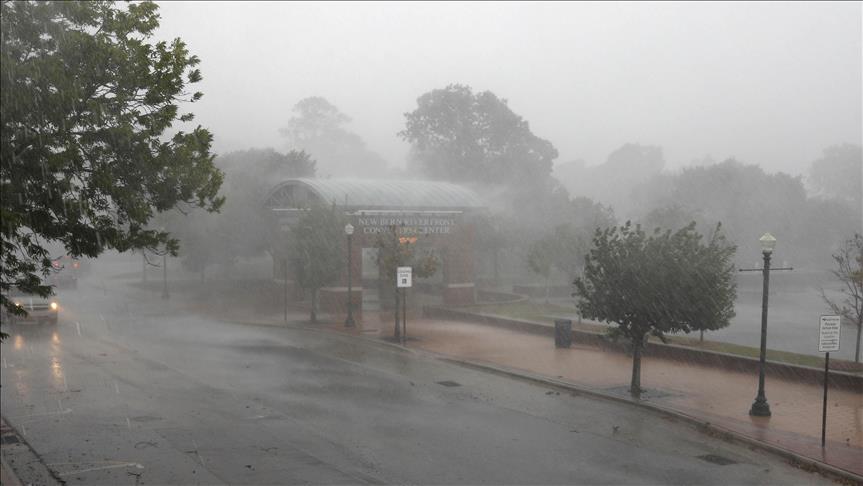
{"points": [[46, 414], [112, 465], [78, 326], [116, 388], [128, 423]]}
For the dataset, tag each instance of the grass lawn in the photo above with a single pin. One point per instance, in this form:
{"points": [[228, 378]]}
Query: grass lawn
{"points": [[546, 313]]}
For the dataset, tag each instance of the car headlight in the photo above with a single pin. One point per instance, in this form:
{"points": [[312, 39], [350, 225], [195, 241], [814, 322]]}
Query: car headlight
{"points": [[17, 304], [53, 306]]}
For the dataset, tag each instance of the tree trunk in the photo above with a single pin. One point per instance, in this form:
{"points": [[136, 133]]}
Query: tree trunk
{"points": [[496, 265], [546, 288], [635, 385], [701, 338], [857, 349], [314, 315], [398, 332]]}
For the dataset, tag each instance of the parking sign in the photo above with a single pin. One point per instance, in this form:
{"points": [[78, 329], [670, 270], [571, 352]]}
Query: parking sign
{"points": [[403, 277], [828, 336]]}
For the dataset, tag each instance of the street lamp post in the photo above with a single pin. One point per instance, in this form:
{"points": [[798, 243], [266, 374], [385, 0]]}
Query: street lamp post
{"points": [[760, 408], [349, 321]]}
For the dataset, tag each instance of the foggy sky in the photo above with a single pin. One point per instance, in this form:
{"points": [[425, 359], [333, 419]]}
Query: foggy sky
{"points": [[768, 83]]}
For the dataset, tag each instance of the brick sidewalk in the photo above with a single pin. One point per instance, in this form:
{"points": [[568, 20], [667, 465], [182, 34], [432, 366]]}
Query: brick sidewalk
{"points": [[713, 395]]}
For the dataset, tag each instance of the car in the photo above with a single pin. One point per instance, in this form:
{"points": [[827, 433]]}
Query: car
{"points": [[65, 270], [38, 309]]}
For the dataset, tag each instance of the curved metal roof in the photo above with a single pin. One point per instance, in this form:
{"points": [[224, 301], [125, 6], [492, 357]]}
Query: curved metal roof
{"points": [[379, 194]]}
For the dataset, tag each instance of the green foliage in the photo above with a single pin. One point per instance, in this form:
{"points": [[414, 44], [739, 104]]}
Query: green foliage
{"points": [[540, 256], [460, 136], [614, 181], [316, 248], [85, 157], [848, 269], [563, 249], [241, 228], [318, 127], [751, 202], [657, 283], [838, 174]]}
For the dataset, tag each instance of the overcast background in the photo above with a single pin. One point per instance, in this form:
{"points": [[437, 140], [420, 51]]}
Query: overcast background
{"points": [[768, 83]]}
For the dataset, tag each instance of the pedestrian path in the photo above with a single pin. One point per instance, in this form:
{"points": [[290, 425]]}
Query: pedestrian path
{"points": [[711, 395]]}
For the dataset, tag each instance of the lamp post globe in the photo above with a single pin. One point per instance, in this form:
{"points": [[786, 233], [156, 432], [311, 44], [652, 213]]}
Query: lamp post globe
{"points": [[349, 321], [760, 408]]}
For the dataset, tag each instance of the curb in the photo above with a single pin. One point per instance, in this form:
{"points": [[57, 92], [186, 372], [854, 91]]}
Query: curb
{"points": [[34, 469], [705, 426]]}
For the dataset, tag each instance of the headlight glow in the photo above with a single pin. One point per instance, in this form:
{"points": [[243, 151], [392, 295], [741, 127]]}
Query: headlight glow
{"points": [[17, 304], [53, 306]]}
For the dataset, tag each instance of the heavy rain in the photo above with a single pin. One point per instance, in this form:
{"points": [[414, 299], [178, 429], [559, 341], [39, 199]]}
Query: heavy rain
{"points": [[431, 243]]}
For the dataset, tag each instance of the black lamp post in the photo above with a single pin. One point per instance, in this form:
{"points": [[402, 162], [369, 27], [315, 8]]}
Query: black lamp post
{"points": [[349, 321], [760, 408]]}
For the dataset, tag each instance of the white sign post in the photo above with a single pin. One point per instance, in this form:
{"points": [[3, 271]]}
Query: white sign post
{"points": [[403, 277], [828, 340], [403, 281], [828, 334]]}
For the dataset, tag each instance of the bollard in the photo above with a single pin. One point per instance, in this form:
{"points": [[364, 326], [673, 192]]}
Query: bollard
{"points": [[562, 333]]}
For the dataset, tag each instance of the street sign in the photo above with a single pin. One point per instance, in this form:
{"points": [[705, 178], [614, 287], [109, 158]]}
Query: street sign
{"points": [[403, 277], [828, 336], [828, 340]]}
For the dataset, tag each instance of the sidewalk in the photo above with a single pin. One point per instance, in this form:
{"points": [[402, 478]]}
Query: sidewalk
{"points": [[710, 395]]}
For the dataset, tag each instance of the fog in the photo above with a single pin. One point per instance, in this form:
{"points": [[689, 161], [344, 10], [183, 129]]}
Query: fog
{"points": [[424, 230], [657, 113], [767, 83]]}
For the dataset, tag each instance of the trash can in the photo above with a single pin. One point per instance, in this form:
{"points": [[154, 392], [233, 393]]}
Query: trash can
{"points": [[562, 333]]}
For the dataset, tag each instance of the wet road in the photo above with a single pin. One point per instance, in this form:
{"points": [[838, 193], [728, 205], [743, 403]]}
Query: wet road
{"points": [[126, 390]]}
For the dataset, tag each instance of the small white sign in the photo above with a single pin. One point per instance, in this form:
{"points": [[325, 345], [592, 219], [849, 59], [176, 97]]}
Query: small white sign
{"points": [[403, 277], [828, 337]]}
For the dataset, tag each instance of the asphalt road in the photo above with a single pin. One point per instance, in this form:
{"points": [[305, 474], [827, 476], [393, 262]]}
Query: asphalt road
{"points": [[127, 390]]}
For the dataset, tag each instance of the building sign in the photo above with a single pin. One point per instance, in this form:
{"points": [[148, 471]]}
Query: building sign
{"points": [[828, 337], [408, 224]]}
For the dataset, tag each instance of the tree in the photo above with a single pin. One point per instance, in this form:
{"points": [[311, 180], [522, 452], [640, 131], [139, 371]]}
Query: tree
{"points": [[318, 128], [240, 229], [397, 250], [317, 250], [85, 157], [562, 249], [839, 174], [540, 257], [849, 270], [460, 136], [614, 181], [744, 198], [656, 284]]}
